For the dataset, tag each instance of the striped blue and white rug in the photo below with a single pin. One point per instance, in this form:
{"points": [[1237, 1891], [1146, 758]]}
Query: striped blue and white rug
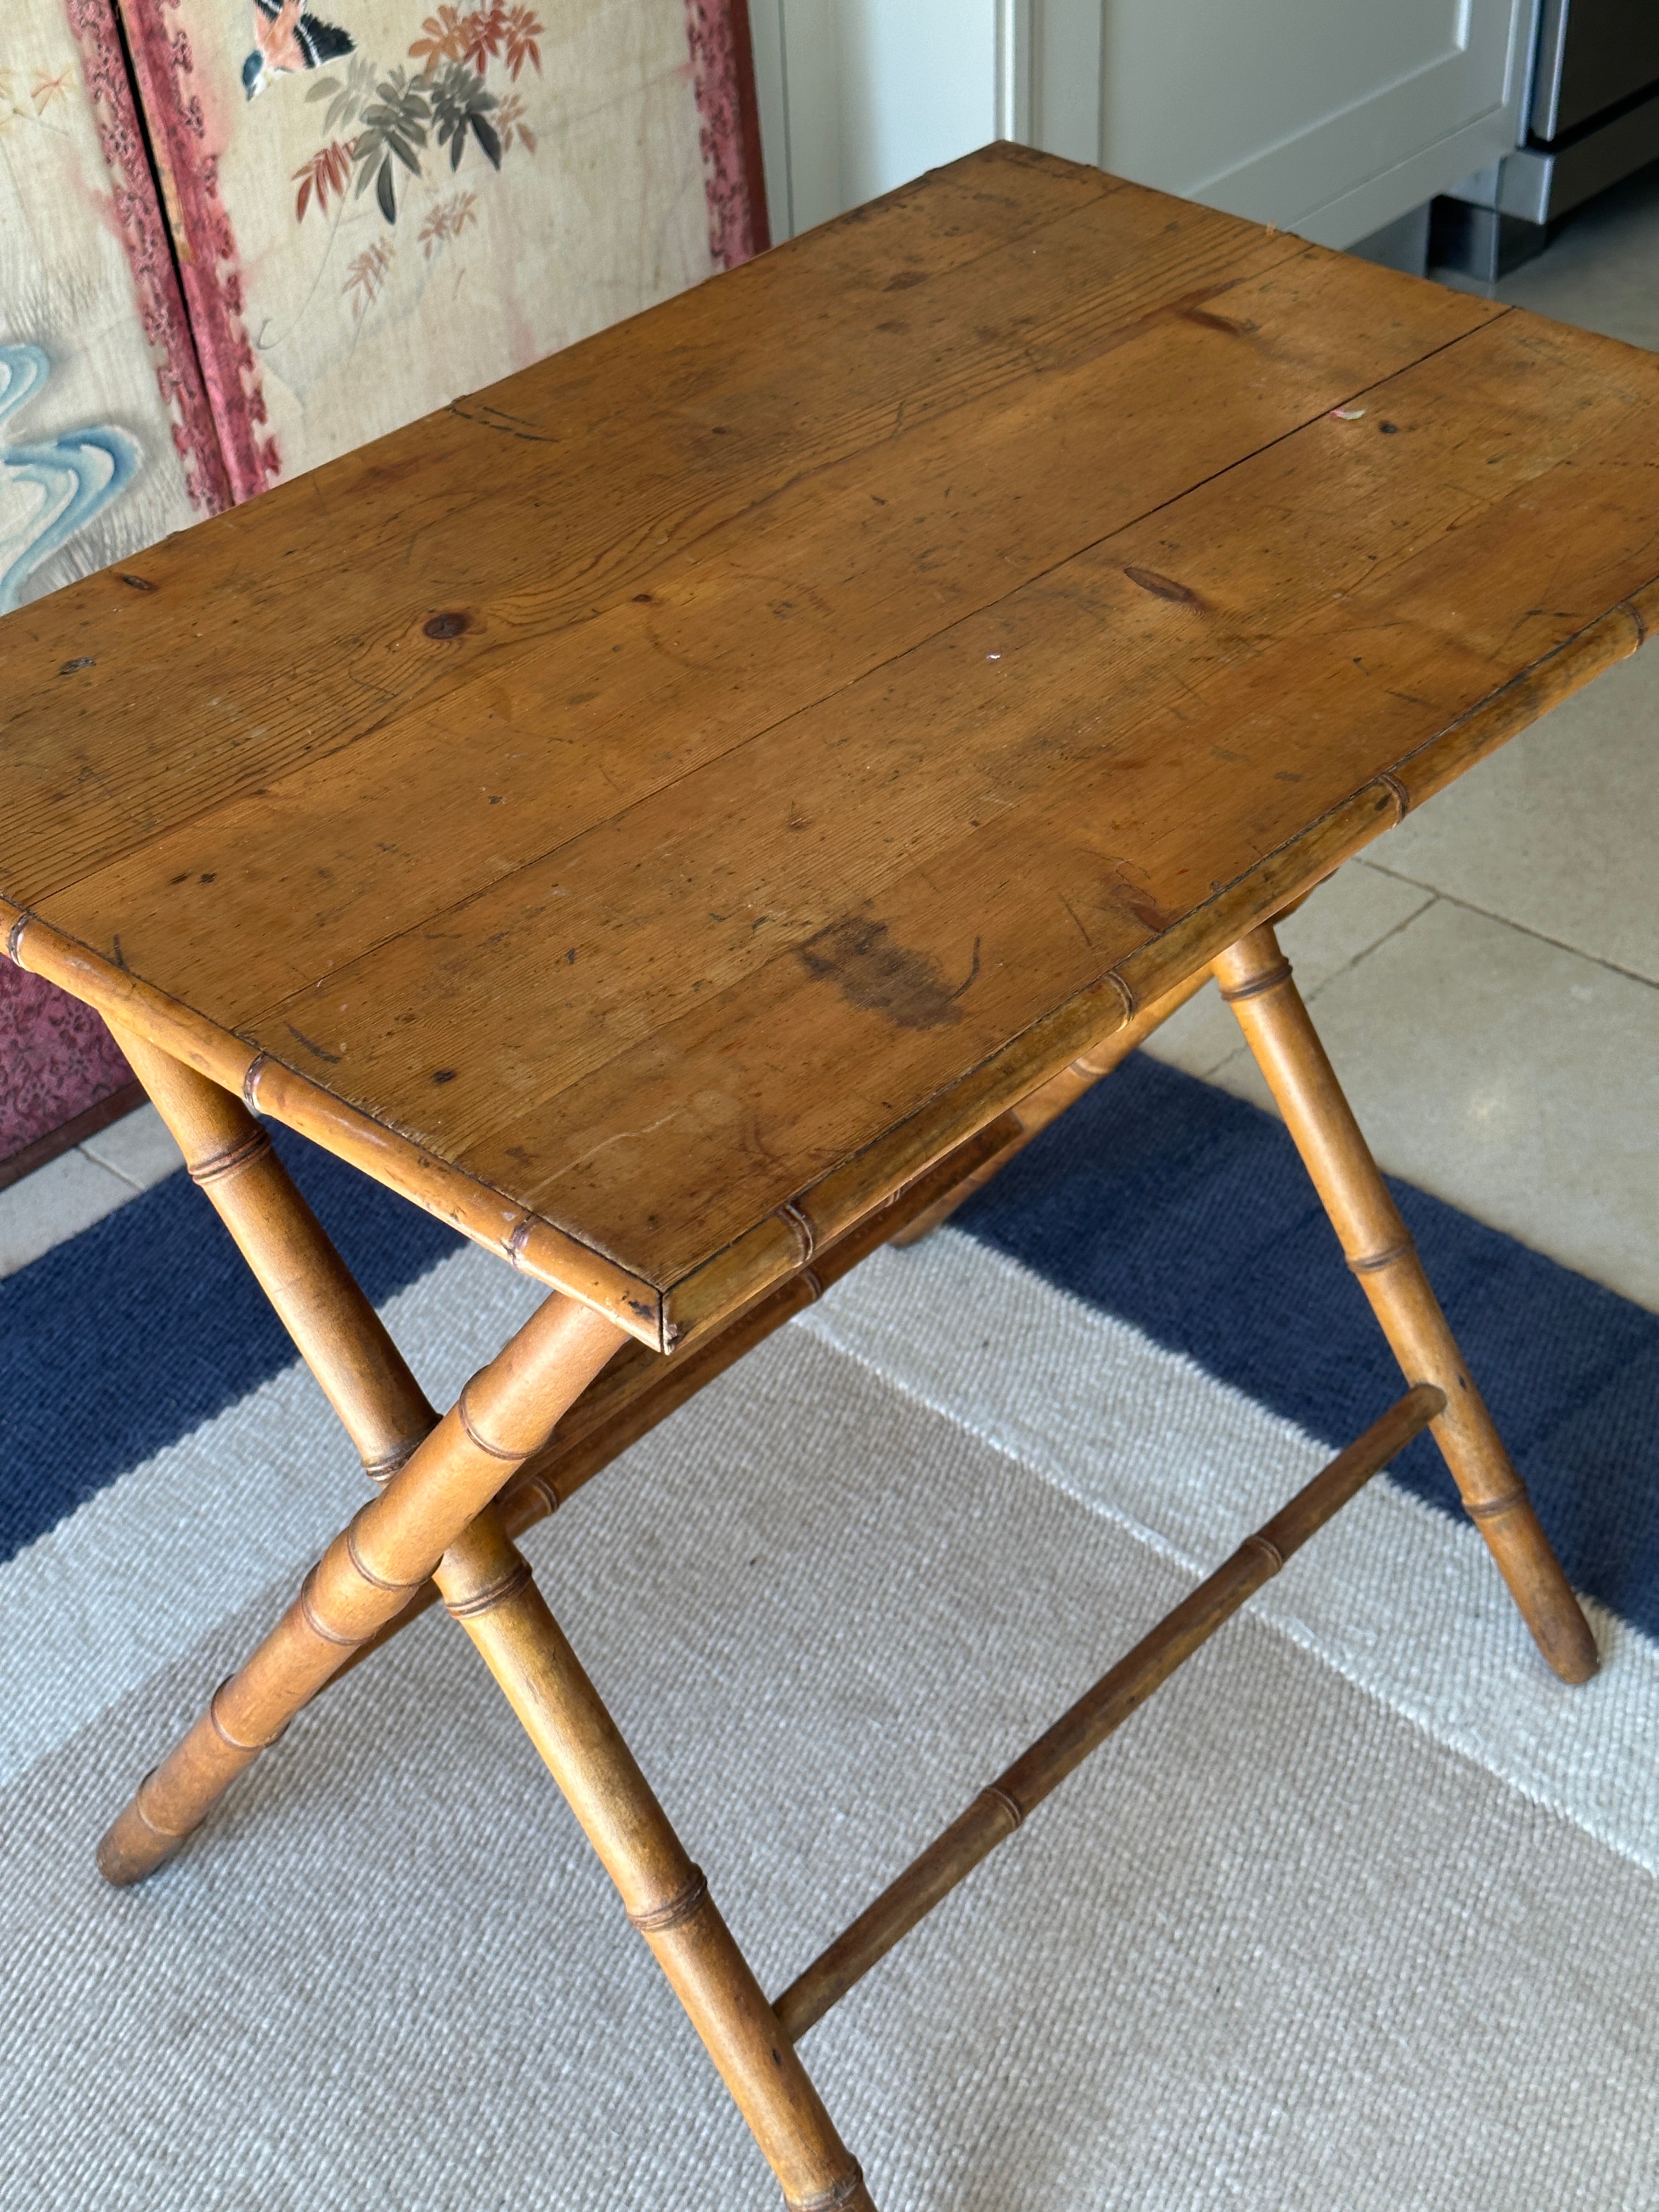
{"points": [[1358, 1914]]}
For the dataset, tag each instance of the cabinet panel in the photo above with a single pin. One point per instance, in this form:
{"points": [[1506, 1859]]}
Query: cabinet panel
{"points": [[1273, 108]]}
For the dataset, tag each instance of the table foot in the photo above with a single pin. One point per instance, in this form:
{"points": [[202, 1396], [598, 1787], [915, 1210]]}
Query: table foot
{"points": [[368, 1574], [487, 1585]]}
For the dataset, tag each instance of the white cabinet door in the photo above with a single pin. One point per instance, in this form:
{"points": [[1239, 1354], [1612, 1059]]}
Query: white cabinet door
{"points": [[1321, 116], [857, 96], [1328, 117]]}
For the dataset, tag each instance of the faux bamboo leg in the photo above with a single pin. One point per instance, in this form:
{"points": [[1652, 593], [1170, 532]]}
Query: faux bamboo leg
{"points": [[486, 1583], [338, 1334], [368, 1573], [1255, 981]]}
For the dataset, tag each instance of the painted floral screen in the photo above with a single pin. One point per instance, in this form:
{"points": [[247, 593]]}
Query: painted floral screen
{"points": [[239, 237]]}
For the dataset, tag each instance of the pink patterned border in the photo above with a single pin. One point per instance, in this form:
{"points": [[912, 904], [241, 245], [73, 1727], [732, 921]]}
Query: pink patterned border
{"points": [[59, 1059], [206, 244], [143, 234], [723, 71]]}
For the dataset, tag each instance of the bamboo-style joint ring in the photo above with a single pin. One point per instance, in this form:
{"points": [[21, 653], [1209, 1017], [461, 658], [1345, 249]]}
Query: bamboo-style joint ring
{"points": [[544, 1489], [1268, 1549], [474, 1436], [172, 1835], [680, 1908], [1126, 992], [806, 1235], [14, 937], [1402, 798], [251, 1082], [1369, 1263], [232, 1161], [1488, 1508], [520, 1238], [1269, 980], [1011, 1806], [492, 1594], [223, 1734], [317, 1624], [380, 1471], [361, 1564], [814, 1282], [829, 2199]]}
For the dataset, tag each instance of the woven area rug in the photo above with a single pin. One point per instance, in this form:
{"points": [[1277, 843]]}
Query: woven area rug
{"points": [[1358, 1913]]}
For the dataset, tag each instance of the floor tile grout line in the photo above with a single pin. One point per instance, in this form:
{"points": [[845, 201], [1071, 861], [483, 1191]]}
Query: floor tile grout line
{"points": [[109, 1168], [1507, 921]]}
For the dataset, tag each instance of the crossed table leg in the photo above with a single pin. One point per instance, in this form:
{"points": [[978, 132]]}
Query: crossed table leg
{"points": [[436, 1517]]}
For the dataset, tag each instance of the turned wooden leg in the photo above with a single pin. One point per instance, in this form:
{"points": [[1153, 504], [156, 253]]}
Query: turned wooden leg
{"points": [[1255, 981], [486, 1583], [368, 1573]]}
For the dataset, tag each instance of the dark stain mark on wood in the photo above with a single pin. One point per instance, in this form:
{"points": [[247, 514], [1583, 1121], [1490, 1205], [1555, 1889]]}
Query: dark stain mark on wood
{"points": [[449, 624], [139, 584], [905, 279], [69, 666], [443, 1075], [120, 957], [1229, 327], [1163, 587], [510, 426], [1389, 429], [1128, 886], [330, 1059], [880, 977]]}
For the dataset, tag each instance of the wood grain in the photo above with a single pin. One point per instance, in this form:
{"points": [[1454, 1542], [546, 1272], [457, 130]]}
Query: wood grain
{"points": [[871, 677]]}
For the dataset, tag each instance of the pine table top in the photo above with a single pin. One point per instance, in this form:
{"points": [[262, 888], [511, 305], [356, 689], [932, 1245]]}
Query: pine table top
{"points": [[647, 811]]}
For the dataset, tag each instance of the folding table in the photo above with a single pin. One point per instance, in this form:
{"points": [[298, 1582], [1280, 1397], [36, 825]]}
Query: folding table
{"points": [[684, 815]]}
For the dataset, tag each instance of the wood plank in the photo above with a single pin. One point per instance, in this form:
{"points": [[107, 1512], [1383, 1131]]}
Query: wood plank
{"points": [[753, 1091], [283, 630], [636, 886], [773, 613], [857, 702]]}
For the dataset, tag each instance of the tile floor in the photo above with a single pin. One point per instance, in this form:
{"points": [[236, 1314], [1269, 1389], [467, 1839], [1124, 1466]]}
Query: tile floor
{"points": [[1486, 978]]}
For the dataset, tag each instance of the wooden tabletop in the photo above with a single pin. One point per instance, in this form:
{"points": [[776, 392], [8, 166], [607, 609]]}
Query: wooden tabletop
{"points": [[644, 811]]}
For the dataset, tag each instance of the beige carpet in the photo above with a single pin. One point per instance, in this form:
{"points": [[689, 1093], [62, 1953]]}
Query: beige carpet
{"points": [[1281, 1946]]}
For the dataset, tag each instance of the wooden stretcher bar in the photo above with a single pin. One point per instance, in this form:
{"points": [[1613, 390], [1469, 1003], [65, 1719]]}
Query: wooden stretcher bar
{"points": [[1004, 1804]]}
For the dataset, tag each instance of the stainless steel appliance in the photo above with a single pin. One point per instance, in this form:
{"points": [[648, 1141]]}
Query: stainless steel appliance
{"points": [[1592, 119]]}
